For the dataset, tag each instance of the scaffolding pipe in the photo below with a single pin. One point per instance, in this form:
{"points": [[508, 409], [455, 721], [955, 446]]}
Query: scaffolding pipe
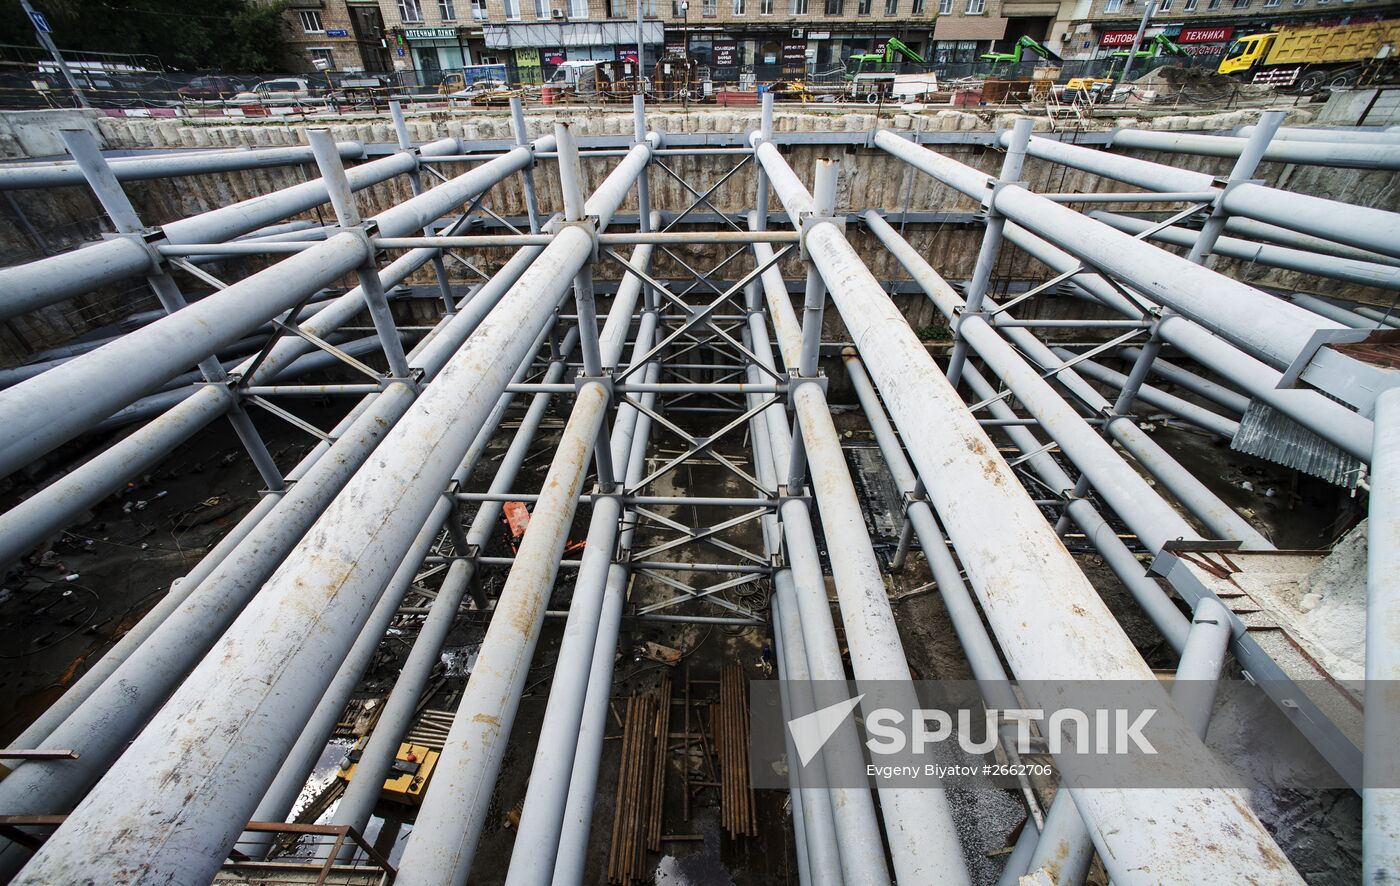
{"points": [[1275, 332], [1184, 409], [1345, 269], [1137, 503], [1307, 153], [465, 776], [928, 850], [1022, 572], [1065, 848], [124, 689], [853, 809], [246, 702], [1320, 414], [50, 280], [572, 848], [543, 814], [1380, 796], [357, 803], [58, 405], [1203, 387], [62, 173], [281, 796], [1339, 136], [1374, 230]]}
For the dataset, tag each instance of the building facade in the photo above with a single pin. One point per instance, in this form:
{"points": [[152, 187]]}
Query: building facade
{"points": [[337, 36], [739, 40], [1090, 29]]}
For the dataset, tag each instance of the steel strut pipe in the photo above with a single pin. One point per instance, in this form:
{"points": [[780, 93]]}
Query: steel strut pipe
{"points": [[1022, 574], [172, 806], [853, 809], [76, 395], [49, 280], [62, 173], [1251, 229], [1345, 269], [928, 850], [862, 853], [571, 852], [1203, 387], [814, 831], [1137, 503], [357, 804], [1337, 136], [1306, 153], [281, 796], [1065, 848], [30, 522], [1380, 796], [1183, 409], [139, 673], [542, 818], [1322, 415], [1375, 230], [990, 249], [1253, 319], [465, 776]]}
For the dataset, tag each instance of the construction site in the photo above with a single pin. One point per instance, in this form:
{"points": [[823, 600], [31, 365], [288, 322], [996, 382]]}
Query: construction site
{"points": [[429, 497]]}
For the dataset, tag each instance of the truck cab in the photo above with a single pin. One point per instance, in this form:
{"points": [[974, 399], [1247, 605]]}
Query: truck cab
{"points": [[1245, 53]]}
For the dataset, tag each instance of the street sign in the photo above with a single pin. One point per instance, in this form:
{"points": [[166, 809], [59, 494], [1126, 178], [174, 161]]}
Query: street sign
{"points": [[40, 23], [337, 32]]}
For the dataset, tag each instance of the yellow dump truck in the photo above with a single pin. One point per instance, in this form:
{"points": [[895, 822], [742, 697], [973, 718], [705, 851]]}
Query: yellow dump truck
{"points": [[1310, 58]]}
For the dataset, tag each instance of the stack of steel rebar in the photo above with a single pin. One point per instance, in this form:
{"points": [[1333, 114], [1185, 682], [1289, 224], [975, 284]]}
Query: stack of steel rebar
{"points": [[641, 784], [730, 721]]}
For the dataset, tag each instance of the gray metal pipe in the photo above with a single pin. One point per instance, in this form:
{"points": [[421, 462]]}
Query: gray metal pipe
{"points": [[1250, 229], [1354, 135], [546, 798], [931, 849], [1380, 798], [117, 707], [1137, 503], [359, 799], [1308, 153], [572, 847], [1346, 269], [1023, 574], [49, 280], [853, 810], [1204, 387], [1371, 229], [281, 795], [1065, 849], [1323, 415], [63, 173], [249, 698], [1184, 409]]}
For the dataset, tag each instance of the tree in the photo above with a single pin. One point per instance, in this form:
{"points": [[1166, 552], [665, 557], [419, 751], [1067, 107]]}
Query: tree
{"points": [[234, 36]]}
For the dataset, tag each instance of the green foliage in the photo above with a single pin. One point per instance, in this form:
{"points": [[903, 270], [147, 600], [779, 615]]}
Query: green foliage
{"points": [[935, 331], [231, 36]]}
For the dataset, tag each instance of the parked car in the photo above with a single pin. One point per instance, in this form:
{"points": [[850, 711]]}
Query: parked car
{"points": [[287, 90], [209, 88]]}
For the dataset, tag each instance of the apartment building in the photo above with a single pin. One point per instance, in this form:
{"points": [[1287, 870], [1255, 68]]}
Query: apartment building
{"points": [[1205, 28], [740, 40], [337, 36]]}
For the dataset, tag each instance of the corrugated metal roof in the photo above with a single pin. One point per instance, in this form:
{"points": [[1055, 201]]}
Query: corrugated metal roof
{"points": [[1269, 434]]}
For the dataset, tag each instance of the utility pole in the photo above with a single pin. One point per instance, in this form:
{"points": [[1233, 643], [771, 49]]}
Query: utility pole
{"points": [[41, 30], [1147, 7]]}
